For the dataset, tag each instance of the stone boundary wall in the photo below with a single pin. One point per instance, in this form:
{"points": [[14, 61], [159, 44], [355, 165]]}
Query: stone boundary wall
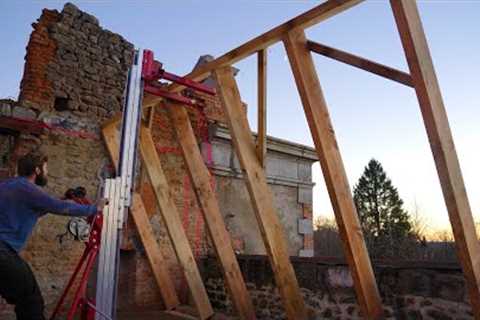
{"points": [[410, 290]]}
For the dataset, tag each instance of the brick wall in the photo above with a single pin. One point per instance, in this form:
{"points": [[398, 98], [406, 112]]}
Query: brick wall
{"points": [[72, 64], [36, 89]]}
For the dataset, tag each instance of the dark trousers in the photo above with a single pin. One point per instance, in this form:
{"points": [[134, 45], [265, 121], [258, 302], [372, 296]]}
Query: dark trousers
{"points": [[18, 285]]}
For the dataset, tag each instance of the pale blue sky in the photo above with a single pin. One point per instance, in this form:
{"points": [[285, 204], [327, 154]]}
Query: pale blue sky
{"points": [[373, 117]]}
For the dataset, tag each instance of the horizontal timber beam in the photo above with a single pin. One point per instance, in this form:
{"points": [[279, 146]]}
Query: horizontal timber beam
{"points": [[361, 63], [307, 19]]}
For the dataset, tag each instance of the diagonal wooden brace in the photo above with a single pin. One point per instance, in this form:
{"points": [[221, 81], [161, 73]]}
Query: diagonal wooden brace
{"points": [[262, 198]]}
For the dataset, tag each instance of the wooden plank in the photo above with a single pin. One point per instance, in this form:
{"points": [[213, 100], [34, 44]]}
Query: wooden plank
{"points": [[335, 177], [201, 182], [265, 212], [154, 254], [173, 224], [151, 116], [307, 19], [262, 107], [361, 63], [441, 142], [111, 137], [142, 223]]}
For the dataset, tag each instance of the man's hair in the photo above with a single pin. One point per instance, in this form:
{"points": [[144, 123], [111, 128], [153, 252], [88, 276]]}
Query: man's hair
{"points": [[26, 165]]}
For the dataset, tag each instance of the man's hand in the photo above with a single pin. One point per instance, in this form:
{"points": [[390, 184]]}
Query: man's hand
{"points": [[101, 204]]}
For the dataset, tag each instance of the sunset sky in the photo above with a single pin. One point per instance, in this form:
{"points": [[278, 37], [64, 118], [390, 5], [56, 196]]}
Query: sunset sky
{"points": [[373, 117]]}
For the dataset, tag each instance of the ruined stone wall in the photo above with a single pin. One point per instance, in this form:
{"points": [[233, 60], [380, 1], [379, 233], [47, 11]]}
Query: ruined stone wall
{"points": [[409, 290], [72, 64], [73, 81]]}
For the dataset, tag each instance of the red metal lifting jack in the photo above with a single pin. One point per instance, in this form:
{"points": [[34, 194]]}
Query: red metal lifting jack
{"points": [[152, 71], [81, 302]]}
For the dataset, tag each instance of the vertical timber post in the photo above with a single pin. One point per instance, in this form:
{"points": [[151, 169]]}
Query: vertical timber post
{"points": [[316, 111], [262, 107], [262, 199], [441, 142]]}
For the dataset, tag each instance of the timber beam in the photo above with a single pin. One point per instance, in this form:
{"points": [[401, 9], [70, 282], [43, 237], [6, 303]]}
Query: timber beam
{"points": [[160, 271], [361, 63], [305, 20], [174, 226], [208, 203], [262, 107], [436, 123], [262, 199], [321, 127]]}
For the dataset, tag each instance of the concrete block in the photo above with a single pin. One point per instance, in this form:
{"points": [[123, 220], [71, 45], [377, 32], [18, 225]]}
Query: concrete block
{"points": [[308, 253], [23, 113], [305, 226], [282, 166], [305, 194], [305, 171]]}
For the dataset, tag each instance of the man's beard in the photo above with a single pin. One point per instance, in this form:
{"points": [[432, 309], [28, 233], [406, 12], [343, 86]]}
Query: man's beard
{"points": [[41, 180]]}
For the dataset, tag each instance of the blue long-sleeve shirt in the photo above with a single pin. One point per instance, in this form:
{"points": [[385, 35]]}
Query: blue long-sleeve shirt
{"points": [[22, 203]]}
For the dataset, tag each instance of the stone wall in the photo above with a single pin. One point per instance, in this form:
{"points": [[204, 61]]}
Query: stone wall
{"points": [[72, 64], [73, 81], [73, 162], [409, 290]]}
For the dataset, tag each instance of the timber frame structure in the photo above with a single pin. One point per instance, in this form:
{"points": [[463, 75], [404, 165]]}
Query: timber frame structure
{"points": [[252, 159]]}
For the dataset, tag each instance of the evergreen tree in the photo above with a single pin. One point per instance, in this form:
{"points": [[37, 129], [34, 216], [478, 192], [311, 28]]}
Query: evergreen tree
{"points": [[385, 223]]}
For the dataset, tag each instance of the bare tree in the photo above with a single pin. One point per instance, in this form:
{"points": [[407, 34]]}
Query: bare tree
{"points": [[326, 238]]}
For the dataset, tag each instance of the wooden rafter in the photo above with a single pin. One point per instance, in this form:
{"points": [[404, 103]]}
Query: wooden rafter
{"points": [[318, 118], [262, 107], [201, 181], [262, 198], [361, 63], [441, 141], [305, 20]]}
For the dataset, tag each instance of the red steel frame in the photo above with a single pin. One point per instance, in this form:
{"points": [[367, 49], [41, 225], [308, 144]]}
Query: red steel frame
{"points": [[152, 71]]}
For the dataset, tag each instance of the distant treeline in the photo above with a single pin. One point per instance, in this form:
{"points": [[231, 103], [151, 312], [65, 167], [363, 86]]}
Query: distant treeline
{"points": [[438, 248]]}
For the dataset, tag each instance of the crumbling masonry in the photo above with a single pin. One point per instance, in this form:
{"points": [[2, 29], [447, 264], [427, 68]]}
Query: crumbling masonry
{"points": [[73, 81]]}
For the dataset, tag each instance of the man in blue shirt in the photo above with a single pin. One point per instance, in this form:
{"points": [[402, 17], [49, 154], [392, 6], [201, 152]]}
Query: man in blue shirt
{"points": [[22, 203]]}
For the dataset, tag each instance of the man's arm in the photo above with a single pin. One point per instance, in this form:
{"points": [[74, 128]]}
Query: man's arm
{"points": [[41, 201]]}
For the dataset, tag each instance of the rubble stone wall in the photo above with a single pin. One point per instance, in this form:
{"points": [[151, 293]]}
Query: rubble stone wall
{"points": [[409, 291]]}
